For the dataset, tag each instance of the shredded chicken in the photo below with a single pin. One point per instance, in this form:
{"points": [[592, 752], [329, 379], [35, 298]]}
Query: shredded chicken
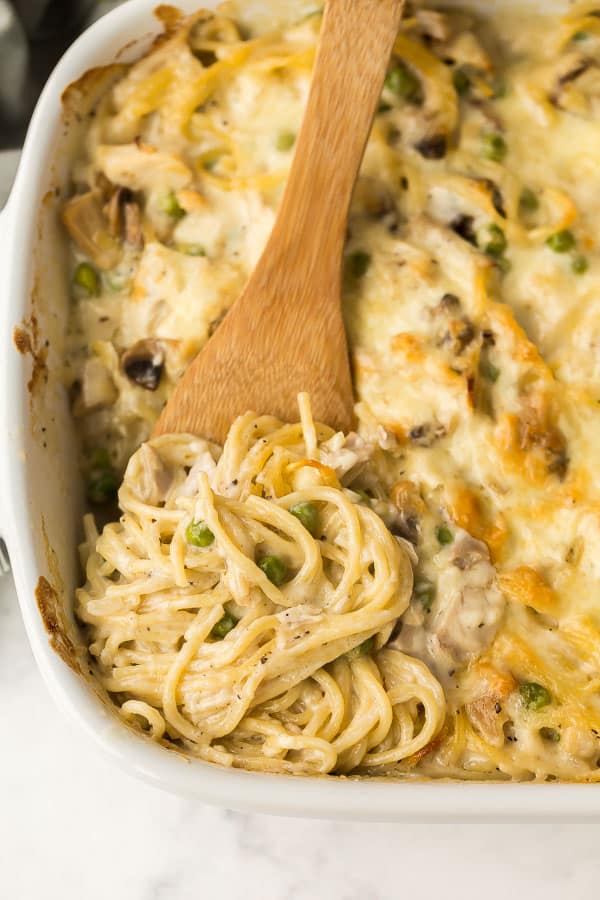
{"points": [[141, 167], [156, 477], [465, 614], [97, 387], [346, 454]]}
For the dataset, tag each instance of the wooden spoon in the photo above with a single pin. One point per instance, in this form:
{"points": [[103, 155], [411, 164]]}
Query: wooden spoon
{"points": [[285, 333]]}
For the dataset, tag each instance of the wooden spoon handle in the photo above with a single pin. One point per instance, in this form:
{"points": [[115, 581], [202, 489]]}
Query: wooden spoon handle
{"points": [[356, 41], [285, 333]]}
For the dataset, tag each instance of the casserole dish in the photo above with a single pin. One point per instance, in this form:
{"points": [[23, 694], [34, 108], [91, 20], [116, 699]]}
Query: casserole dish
{"points": [[42, 504]]}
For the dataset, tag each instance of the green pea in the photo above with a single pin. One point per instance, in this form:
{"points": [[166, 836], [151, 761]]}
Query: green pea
{"points": [[534, 696], [499, 88], [461, 81], [424, 592], [308, 514], [550, 734], [86, 277], [364, 649], [199, 534], [103, 485], [401, 82], [489, 370], [497, 244], [358, 263], [494, 147], [561, 242], [99, 458], [274, 568], [285, 141], [209, 164], [528, 201], [444, 535], [170, 205], [226, 624], [579, 264], [580, 36], [191, 249]]}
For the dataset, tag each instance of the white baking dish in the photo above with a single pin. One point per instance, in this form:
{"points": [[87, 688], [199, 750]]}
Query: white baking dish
{"points": [[40, 508]]}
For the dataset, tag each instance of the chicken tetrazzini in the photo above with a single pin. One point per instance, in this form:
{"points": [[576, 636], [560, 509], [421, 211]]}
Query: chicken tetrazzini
{"points": [[418, 599], [245, 605]]}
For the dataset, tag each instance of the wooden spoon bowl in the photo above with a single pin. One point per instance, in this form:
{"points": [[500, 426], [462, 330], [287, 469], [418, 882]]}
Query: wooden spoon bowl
{"points": [[285, 333]]}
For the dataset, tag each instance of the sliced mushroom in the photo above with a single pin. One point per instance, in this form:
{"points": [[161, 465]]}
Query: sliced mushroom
{"points": [[459, 334], [124, 217], [536, 430], [468, 552], [486, 710], [457, 330], [112, 211], [433, 146], [448, 303], [494, 195], [87, 224], [133, 225], [144, 363], [427, 434], [409, 507], [464, 227]]}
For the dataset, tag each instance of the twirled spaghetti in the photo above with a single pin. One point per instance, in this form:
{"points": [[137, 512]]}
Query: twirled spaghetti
{"points": [[279, 670]]}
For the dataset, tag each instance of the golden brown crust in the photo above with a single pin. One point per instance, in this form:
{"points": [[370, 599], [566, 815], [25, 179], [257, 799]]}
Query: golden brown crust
{"points": [[52, 615], [22, 341], [91, 84], [26, 340]]}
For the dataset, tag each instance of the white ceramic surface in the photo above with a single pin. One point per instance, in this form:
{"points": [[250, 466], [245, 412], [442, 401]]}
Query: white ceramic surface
{"points": [[39, 494]]}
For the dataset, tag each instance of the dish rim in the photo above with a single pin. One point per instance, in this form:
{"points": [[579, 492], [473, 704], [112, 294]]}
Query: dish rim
{"points": [[319, 797]]}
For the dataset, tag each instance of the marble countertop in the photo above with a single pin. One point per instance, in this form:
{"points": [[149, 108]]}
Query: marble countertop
{"points": [[75, 828]]}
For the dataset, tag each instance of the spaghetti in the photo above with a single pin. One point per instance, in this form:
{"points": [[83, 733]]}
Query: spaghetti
{"points": [[246, 617]]}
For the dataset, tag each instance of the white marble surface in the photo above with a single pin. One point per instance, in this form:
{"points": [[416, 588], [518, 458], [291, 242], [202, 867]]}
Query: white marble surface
{"points": [[74, 828]]}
